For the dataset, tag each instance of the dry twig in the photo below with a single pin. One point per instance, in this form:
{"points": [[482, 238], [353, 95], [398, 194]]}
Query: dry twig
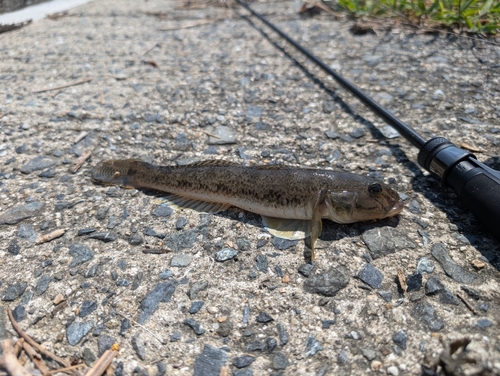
{"points": [[80, 137], [40, 348], [102, 364], [63, 86], [142, 327], [151, 48], [187, 25], [10, 359], [35, 358], [402, 280], [50, 236], [65, 369], [466, 302], [80, 161]]}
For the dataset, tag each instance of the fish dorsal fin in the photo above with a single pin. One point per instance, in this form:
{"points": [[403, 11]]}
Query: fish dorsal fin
{"points": [[271, 167], [212, 163], [179, 203], [292, 229]]}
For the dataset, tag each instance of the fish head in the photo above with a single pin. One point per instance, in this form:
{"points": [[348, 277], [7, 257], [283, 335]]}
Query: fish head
{"points": [[363, 200], [113, 172]]}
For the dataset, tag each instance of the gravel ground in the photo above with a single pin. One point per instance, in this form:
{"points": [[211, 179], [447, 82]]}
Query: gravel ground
{"points": [[188, 293]]}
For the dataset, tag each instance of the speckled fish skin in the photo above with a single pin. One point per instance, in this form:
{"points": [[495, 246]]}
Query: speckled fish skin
{"points": [[274, 191]]}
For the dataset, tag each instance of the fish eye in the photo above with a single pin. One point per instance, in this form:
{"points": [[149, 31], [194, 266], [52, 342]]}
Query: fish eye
{"points": [[375, 189]]}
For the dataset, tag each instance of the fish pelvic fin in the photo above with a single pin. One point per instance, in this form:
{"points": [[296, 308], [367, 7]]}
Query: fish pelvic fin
{"points": [[292, 229]]}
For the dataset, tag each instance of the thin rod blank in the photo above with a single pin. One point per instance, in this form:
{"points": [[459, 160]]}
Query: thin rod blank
{"points": [[404, 129]]}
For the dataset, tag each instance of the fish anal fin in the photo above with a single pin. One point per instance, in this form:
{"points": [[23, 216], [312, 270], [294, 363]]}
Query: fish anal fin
{"points": [[292, 229], [179, 203]]}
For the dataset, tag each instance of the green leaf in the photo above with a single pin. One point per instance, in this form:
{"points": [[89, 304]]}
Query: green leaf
{"points": [[486, 7]]}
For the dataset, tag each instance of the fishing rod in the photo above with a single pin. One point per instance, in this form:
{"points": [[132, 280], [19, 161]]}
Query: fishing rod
{"points": [[477, 185]]}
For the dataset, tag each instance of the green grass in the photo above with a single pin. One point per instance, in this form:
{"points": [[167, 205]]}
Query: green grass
{"points": [[481, 16]]}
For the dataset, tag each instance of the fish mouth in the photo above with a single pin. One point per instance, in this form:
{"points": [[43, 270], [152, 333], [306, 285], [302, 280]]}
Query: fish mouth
{"points": [[396, 209]]}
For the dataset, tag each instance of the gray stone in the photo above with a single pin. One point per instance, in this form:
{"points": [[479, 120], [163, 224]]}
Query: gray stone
{"points": [[332, 135], [161, 292], [87, 308], [105, 237], [371, 276], [77, 330], [41, 162], [282, 334], [196, 326], [225, 328], [433, 286], [262, 263], [104, 343], [386, 295], [382, 241], [372, 60], [180, 261], [183, 240], [425, 266], [484, 323], [151, 232], [13, 248], [243, 372], [357, 133], [271, 344], [225, 136], [243, 361], [283, 244], [426, 313], [264, 317], [328, 107], [88, 357], [306, 270], [138, 346], [135, 239], [42, 285], [342, 358], [328, 283], [196, 306], [180, 223], [400, 339], [14, 291], [81, 254], [210, 361], [196, 288], [163, 210], [26, 231], [225, 254], [19, 213], [326, 324], [312, 346], [280, 361], [166, 274], [452, 269], [389, 132], [19, 313], [447, 297], [369, 354], [414, 282]]}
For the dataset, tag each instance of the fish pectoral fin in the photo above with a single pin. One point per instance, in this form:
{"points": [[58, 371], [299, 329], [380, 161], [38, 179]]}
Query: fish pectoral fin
{"points": [[179, 203], [292, 229], [316, 228]]}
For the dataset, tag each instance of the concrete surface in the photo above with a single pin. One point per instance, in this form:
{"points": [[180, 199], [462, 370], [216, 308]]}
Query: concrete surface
{"points": [[160, 95]]}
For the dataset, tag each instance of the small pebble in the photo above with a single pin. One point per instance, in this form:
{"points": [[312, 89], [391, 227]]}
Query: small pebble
{"points": [[264, 317]]}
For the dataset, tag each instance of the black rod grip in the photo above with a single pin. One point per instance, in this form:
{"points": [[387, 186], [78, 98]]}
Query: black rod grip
{"points": [[481, 195]]}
